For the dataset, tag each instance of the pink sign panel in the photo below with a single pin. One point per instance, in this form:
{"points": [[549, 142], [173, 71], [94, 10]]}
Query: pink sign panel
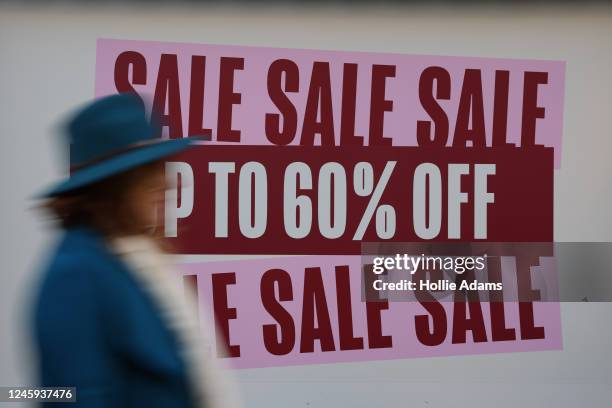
{"points": [[277, 96], [374, 107], [308, 310]]}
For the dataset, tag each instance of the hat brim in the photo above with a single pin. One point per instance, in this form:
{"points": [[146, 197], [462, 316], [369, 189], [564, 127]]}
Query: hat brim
{"points": [[119, 164]]}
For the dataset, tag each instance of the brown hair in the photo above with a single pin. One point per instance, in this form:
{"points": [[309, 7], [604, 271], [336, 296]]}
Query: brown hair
{"points": [[104, 205]]}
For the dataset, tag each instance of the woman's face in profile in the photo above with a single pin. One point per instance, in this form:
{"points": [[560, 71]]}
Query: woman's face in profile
{"points": [[146, 197]]}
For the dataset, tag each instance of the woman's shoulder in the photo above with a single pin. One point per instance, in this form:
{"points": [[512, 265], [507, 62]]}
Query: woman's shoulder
{"points": [[81, 274], [81, 266], [81, 251], [67, 288]]}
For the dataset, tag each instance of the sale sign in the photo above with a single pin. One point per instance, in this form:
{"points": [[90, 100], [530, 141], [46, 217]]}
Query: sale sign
{"points": [[309, 310], [269, 96], [315, 153], [313, 200]]}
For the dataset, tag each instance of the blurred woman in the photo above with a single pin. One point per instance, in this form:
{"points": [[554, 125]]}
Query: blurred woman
{"points": [[112, 318]]}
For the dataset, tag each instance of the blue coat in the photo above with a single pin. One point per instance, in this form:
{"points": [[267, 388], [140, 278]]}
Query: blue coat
{"points": [[96, 329]]}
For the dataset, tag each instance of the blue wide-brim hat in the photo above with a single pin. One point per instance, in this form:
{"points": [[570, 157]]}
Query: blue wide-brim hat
{"points": [[109, 136]]}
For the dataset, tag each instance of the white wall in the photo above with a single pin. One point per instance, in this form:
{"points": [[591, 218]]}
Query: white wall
{"points": [[47, 61]]}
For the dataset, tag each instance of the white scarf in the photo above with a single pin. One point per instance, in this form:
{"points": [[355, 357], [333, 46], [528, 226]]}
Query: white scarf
{"points": [[210, 383]]}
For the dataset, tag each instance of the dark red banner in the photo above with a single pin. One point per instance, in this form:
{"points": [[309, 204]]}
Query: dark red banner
{"points": [[325, 200]]}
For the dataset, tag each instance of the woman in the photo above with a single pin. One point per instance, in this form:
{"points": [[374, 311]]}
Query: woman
{"points": [[112, 319]]}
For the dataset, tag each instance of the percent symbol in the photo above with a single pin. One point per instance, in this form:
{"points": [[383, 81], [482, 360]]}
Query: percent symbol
{"points": [[363, 184]]}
